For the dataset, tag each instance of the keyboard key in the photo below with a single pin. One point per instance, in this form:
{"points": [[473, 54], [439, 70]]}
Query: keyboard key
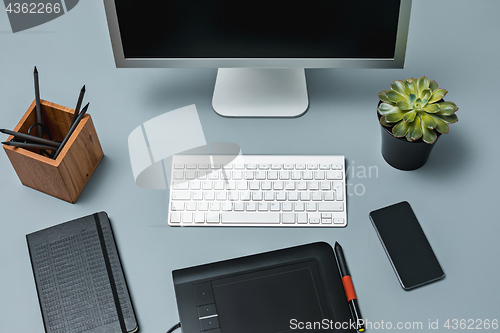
{"points": [[263, 206], [278, 185], [199, 218], [177, 206], [197, 195], [254, 185], [248, 175], [288, 218], [298, 206], [319, 175], [250, 218], [275, 206], [195, 185], [260, 175], [257, 196], [178, 185], [191, 206], [301, 218], [266, 185], [312, 166], [213, 218], [251, 206], [311, 206], [178, 166], [272, 175], [338, 186], [286, 206], [284, 175], [187, 217], [331, 206], [333, 175], [175, 217]]}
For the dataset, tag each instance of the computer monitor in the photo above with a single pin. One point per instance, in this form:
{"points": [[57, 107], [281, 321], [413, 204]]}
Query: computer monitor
{"points": [[261, 47]]}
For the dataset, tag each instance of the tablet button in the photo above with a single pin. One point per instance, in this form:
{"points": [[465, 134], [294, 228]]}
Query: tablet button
{"points": [[209, 323], [206, 310], [203, 293]]}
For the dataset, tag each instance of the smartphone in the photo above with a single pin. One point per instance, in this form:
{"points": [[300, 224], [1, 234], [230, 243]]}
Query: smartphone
{"points": [[406, 246]]}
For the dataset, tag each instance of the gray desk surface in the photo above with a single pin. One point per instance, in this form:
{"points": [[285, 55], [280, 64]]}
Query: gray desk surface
{"points": [[454, 195]]}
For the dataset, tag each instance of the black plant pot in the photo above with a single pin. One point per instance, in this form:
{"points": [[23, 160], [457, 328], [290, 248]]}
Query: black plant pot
{"points": [[403, 154]]}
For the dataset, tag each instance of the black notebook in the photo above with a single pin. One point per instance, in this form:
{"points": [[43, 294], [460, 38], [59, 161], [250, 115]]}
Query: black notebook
{"points": [[79, 278]]}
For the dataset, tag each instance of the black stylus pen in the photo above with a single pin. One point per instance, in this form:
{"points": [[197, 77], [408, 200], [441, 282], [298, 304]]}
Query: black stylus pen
{"points": [[349, 288]]}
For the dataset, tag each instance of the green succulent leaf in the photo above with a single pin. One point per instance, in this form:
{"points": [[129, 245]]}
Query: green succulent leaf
{"points": [[409, 116], [394, 117], [431, 108], [410, 86], [395, 96], [415, 130], [441, 104], [428, 134], [384, 123], [426, 95], [413, 97], [422, 84], [427, 120], [441, 126], [451, 119], [433, 85], [405, 106], [400, 129], [447, 110], [386, 108], [383, 97], [437, 95], [399, 87]]}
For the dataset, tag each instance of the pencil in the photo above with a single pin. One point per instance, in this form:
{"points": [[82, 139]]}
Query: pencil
{"points": [[72, 128], [29, 145], [78, 104], [30, 137], [38, 106]]}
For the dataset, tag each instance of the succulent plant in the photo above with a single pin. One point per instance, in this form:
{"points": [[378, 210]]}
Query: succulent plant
{"points": [[415, 109]]}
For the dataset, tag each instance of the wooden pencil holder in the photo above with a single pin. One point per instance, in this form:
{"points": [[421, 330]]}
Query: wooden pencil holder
{"points": [[66, 176]]}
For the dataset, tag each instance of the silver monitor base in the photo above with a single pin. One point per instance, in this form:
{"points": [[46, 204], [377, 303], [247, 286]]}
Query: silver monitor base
{"points": [[260, 92]]}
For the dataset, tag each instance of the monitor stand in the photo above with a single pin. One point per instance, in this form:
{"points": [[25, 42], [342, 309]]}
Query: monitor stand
{"points": [[260, 92]]}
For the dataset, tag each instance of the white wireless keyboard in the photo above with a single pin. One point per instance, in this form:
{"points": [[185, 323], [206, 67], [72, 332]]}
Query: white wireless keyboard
{"points": [[258, 190]]}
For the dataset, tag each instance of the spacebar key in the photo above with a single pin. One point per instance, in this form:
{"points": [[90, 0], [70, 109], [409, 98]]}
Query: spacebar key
{"points": [[250, 218]]}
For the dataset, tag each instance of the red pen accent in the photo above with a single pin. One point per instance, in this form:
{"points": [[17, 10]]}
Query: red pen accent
{"points": [[349, 288]]}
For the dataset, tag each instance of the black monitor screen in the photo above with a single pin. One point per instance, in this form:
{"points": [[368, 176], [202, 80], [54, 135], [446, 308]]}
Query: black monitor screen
{"points": [[359, 29]]}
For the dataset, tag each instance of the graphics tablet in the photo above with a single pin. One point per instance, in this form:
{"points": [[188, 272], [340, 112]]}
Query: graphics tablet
{"points": [[288, 290]]}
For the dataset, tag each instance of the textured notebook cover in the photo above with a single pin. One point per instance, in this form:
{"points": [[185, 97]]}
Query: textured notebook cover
{"points": [[73, 270]]}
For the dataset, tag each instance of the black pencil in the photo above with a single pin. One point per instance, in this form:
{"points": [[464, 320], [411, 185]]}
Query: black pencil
{"points": [[78, 104], [29, 145], [38, 106], [72, 128], [30, 137]]}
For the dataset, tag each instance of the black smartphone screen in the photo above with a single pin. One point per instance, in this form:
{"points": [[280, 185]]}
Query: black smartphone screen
{"points": [[406, 246]]}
